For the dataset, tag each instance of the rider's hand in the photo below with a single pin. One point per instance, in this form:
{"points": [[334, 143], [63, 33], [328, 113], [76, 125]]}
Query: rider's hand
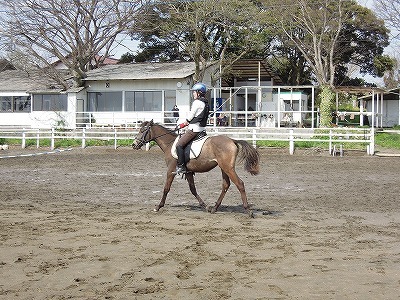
{"points": [[182, 125]]}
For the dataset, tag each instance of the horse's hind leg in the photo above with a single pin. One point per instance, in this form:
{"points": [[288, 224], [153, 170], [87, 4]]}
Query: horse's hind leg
{"points": [[190, 179], [240, 186], [225, 186]]}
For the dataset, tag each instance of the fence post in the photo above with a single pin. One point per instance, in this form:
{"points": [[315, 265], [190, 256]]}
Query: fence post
{"points": [[330, 141], [254, 138], [23, 142], [291, 142], [38, 139], [83, 138], [372, 142], [52, 139], [115, 139]]}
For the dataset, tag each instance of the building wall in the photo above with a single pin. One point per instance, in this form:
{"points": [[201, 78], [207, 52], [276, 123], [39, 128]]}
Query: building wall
{"points": [[180, 86], [388, 114]]}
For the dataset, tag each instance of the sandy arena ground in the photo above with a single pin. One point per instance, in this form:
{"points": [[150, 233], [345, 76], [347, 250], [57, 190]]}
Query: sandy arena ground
{"points": [[79, 224]]}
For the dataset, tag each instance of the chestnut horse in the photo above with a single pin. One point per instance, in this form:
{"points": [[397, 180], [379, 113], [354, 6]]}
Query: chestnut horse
{"points": [[217, 151]]}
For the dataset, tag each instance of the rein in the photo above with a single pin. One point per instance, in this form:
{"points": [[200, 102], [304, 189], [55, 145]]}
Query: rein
{"points": [[143, 139]]}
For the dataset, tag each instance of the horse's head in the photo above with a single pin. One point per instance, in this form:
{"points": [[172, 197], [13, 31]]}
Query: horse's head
{"points": [[144, 135]]}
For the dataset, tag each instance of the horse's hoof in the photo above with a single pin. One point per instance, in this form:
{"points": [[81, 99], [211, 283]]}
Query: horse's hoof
{"points": [[156, 209], [212, 209]]}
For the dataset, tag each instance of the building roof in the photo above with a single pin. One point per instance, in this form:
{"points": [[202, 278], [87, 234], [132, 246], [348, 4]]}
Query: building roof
{"points": [[27, 82], [142, 71], [5, 65], [358, 89], [58, 64], [392, 94], [245, 69], [34, 81]]}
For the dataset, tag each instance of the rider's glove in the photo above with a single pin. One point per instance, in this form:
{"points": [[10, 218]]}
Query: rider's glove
{"points": [[181, 125]]}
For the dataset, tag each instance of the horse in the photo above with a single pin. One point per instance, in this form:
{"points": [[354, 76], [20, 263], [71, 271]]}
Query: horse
{"points": [[217, 150]]}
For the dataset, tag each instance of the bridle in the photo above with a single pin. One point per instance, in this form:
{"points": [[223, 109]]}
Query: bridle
{"points": [[143, 140], [146, 131]]}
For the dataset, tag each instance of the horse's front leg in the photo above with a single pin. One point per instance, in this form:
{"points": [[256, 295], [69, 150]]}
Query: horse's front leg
{"points": [[167, 187], [190, 179]]}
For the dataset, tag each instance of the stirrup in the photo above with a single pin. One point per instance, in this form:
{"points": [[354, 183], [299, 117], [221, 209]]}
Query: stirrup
{"points": [[180, 170]]}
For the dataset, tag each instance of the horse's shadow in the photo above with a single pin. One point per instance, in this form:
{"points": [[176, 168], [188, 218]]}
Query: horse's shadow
{"points": [[235, 209]]}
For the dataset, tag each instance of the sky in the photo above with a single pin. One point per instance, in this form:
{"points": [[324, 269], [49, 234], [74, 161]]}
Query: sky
{"points": [[124, 45]]}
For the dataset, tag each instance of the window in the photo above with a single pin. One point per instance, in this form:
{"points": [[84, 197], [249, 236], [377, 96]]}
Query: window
{"points": [[169, 99], [50, 102], [143, 101], [129, 101], [22, 103], [15, 104], [105, 101], [6, 103], [133, 101]]}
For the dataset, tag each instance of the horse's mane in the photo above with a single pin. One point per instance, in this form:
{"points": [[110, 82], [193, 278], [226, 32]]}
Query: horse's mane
{"points": [[171, 131]]}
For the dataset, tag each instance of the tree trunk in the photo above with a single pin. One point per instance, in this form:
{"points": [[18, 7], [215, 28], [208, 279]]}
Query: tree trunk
{"points": [[326, 97]]}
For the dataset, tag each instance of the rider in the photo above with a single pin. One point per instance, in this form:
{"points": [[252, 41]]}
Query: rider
{"points": [[197, 120]]}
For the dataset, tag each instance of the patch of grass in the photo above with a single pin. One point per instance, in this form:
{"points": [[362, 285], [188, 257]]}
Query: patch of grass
{"points": [[310, 144], [65, 143], [275, 144], [387, 140]]}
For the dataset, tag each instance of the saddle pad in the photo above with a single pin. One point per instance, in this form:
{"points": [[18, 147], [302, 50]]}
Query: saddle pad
{"points": [[195, 147]]}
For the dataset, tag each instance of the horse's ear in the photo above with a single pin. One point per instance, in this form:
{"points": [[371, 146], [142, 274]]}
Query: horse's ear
{"points": [[151, 122]]}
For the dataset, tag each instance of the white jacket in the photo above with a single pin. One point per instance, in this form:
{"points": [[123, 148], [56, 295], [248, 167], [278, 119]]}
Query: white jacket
{"points": [[197, 108]]}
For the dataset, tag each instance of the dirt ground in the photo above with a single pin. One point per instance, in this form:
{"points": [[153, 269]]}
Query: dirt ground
{"points": [[78, 224]]}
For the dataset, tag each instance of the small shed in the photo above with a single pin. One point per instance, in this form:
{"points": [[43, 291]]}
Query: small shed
{"points": [[384, 105], [387, 108]]}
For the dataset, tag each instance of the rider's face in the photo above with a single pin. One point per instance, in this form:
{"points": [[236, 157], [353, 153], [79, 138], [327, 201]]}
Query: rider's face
{"points": [[195, 95]]}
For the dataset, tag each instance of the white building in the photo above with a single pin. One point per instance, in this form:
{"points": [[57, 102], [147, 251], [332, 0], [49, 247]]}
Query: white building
{"points": [[113, 95], [386, 108], [29, 99], [125, 94]]}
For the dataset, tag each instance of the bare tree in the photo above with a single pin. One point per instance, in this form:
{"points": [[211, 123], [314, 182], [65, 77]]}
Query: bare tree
{"points": [[74, 32], [389, 10]]}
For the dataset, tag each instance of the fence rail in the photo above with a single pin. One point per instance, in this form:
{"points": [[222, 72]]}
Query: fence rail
{"points": [[333, 136]]}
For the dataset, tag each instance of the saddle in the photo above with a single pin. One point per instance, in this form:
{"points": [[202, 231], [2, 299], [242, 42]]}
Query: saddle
{"points": [[193, 149]]}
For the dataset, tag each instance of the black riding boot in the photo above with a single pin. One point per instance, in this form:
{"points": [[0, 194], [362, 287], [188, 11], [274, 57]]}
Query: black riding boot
{"points": [[181, 167]]}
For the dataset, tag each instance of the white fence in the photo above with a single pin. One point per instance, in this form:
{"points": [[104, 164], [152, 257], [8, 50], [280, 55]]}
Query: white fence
{"points": [[335, 137]]}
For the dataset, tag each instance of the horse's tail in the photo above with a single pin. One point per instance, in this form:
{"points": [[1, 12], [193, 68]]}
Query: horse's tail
{"points": [[250, 156]]}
